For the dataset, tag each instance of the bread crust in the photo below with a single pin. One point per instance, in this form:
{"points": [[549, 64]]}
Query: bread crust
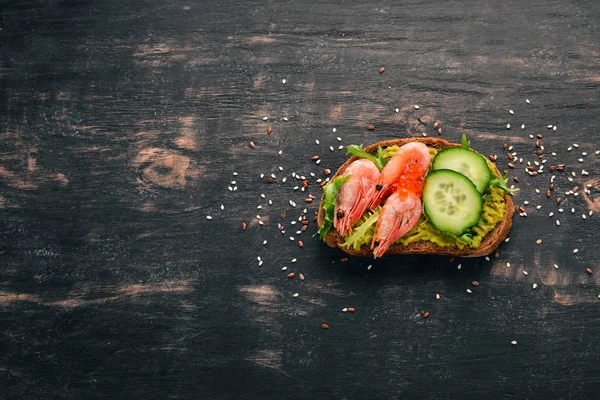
{"points": [[489, 243]]}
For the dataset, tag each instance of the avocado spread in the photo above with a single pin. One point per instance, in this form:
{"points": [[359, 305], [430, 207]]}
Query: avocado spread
{"points": [[492, 213]]}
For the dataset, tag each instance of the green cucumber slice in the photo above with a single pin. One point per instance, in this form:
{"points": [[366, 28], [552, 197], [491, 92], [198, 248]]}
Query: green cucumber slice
{"points": [[466, 162], [451, 201]]}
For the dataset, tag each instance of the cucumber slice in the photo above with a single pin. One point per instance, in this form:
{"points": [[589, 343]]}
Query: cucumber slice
{"points": [[451, 201], [467, 162]]}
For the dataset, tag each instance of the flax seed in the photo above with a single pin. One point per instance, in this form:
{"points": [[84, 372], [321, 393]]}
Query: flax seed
{"points": [[505, 146], [270, 180], [475, 283], [269, 130], [492, 158], [290, 275], [589, 271], [308, 200], [324, 326], [371, 127], [516, 179], [425, 314], [540, 152], [552, 167], [530, 168], [439, 131], [552, 186], [244, 226], [327, 171], [548, 193], [436, 125], [344, 259], [300, 243], [511, 165], [314, 158], [301, 277], [351, 309], [558, 199]]}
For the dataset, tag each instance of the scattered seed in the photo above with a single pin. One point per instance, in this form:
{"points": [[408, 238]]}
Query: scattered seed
{"points": [[522, 126], [514, 342], [437, 296], [294, 260], [575, 251], [417, 107], [295, 295], [511, 112], [525, 273], [469, 291], [208, 217], [534, 286], [344, 309], [539, 241], [556, 266], [507, 126]]}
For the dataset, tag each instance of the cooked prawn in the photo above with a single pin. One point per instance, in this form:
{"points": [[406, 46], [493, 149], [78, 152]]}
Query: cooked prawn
{"points": [[396, 168], [400, 214], [354, 195]]}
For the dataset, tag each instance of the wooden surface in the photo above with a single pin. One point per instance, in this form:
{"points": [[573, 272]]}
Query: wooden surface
{"points": [[121, 124]]}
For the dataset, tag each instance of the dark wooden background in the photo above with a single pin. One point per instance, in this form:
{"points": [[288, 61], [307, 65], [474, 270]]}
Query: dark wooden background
{"points": [[122, 122]]}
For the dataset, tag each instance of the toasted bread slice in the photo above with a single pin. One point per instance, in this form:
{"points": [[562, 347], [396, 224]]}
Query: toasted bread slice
{"points": [[489, 243]]}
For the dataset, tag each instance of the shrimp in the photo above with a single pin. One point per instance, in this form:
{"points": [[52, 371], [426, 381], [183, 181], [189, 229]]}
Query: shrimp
{"points": [[354, 196], [407, 155], [400, 214]]}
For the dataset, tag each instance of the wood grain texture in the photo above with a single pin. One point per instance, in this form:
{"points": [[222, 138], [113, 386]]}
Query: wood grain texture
{"points": [[121, 124]]}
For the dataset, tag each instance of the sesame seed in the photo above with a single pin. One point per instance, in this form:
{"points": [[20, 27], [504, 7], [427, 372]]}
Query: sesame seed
{"points": [[459, 266], [208, 217], [261, 223], [264, 242], [514, 342], [397, 110], [369, 267], [258, 207], [557, 223], [230, 188], [554, 128], [560, 210], [575, 145], [469, 291], [487, 258], [534, 286], [522, 126], [507, 126], [292, 238], [550, 214], [575, 251], [340, 147], [295, 295], [284, 268], [339, 139], [424, 134], [294, 260], [507, 265], [417, 107], [527, 101], [334, 130], [222, 207], [260, 263], [539, 241], [317, 141], [265, 118], [590, 213], [538, 207], [437, 296], [549, 126], [283, 81], [507, 240], [525, 273], [285, 119], [344, 309], [526, 202], [511, 111], [556, 266]]}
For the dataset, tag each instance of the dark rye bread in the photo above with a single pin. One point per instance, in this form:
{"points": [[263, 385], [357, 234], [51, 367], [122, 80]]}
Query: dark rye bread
{"points": [[488, 244]]}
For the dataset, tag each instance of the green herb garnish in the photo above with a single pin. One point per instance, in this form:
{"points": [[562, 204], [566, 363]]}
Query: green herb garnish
{"points": [[331, 191], [358, 151], [502, 183], [464, 143]]}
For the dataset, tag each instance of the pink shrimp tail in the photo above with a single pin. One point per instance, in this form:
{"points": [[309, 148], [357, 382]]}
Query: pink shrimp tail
{"points": [[399, 215]]}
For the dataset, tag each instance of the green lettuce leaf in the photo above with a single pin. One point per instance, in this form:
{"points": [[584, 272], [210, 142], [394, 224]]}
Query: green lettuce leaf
{"points": [[358, 151], [363, 234], [331, 191]]}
